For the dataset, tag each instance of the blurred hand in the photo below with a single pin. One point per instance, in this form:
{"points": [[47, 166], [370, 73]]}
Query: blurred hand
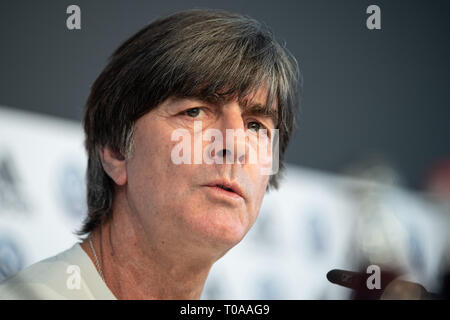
{"points": [[404, 290]]}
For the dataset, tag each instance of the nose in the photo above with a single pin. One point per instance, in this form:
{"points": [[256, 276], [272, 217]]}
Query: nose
{"points": [[232, 127]]}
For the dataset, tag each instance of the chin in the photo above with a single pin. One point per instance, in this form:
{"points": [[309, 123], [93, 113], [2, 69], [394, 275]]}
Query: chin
{"points": [[229, 238], [223, 233]]}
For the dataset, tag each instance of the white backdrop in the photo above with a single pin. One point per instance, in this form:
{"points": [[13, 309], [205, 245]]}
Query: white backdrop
{"points": [[314, 223]]}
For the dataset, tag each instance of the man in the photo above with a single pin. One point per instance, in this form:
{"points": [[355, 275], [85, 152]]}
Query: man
{"points": [[156, 226]]}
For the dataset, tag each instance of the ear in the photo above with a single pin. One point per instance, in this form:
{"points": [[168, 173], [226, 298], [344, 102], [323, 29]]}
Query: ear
{"points": [[114, 165]]}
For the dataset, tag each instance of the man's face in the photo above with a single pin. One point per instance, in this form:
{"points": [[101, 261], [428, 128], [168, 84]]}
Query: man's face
{"points": [[182, 203]]}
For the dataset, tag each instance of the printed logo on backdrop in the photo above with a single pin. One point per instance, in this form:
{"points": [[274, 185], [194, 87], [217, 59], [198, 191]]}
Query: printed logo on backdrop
{"points": [[268, 287], [315, 232], [71, 190], [11, 257], [214, 289], [415, 254], [12, 197], [264, 231]]}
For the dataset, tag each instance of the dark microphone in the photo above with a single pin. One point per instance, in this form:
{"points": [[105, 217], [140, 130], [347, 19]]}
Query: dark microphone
{"points": [[390, 288]]}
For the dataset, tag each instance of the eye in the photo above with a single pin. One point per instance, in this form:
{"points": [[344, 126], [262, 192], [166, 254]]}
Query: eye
{"points": [[193, 113], [255, 126]]}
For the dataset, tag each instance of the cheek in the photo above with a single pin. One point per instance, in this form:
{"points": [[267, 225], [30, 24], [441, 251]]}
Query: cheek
{"points": [[152, 176]]}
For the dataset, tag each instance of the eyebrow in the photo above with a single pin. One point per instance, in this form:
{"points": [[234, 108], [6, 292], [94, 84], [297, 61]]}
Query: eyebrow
{"points": [[256, 109], [262, 110]]}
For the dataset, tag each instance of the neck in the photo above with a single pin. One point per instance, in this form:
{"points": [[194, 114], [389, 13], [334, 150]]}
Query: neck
{"points": [[136, 266]]}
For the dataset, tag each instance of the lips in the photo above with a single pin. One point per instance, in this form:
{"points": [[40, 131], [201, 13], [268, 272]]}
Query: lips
{"points": [[232, 187]]}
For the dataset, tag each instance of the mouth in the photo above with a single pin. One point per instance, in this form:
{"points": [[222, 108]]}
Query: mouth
{"points": [[230, 189]]}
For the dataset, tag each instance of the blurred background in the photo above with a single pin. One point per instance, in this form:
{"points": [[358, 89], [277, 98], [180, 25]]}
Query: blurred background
{"points": [[368, 179]]}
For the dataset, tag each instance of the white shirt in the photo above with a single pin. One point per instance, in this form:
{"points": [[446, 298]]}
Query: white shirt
{"points": [[68, 275]]}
